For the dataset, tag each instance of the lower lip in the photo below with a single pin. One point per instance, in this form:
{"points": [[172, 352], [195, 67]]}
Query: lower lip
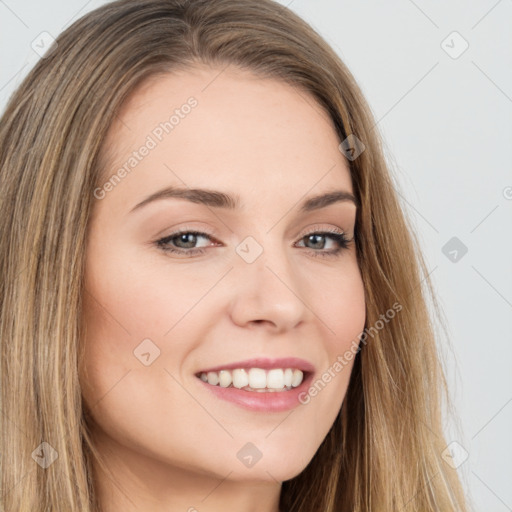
{"points": [[267, 401]]}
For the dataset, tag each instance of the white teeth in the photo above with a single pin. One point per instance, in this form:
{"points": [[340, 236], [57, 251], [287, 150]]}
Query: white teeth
{"points": [[275, 378], [213, 378], [256, 379], [225, 378], [288, 375], [240, 379], [297, 378]]}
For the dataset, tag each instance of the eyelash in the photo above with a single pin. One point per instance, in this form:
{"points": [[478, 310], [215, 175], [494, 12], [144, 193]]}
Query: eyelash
{"points": [[337, 236]]}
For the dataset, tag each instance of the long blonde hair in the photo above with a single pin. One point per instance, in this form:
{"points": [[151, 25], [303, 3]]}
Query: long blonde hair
{"points": [[384, 450]]}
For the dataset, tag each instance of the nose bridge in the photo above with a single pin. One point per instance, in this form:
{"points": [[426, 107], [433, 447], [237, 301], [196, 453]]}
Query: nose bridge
{"points": [[267, 288]]}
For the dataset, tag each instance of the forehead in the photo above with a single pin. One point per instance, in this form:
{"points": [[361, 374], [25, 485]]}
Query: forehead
{"points": [[209, 126]]}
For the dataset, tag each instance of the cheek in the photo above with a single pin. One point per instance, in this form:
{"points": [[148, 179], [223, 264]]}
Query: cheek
{"points": [[338, 301], [140, 294], [131, 299], [337, 297], [125, 397]]}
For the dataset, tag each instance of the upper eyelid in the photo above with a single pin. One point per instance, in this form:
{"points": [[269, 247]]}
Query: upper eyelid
{"points": [[306, 231]]}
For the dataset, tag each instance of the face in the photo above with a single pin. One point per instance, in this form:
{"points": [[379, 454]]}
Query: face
{"points": [[183, 289]]}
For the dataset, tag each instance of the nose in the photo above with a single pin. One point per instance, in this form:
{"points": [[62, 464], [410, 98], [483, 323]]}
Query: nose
{"points": [[267, 292]]}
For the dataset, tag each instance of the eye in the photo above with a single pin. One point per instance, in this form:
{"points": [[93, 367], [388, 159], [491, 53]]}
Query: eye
{"points": [[185, 242], [318, 239]]}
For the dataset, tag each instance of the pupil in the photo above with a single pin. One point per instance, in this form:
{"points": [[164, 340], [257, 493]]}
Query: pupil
{"points": [[185, 236], [315, 237]]}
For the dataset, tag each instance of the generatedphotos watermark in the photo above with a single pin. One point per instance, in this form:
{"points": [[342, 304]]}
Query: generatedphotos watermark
{"points": [[345, 358], [152, 140]]}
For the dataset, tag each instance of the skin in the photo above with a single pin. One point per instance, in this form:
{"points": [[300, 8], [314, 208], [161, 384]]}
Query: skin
{"points": [[170, 443]]}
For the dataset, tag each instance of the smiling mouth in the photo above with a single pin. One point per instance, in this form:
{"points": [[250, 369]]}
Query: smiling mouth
{"points": [[257, 380]]}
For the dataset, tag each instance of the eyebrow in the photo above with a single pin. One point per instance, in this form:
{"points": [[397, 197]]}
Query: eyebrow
{"points": [[218, 199]]}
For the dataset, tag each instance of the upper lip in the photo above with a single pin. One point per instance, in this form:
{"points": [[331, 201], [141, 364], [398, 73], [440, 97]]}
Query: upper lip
{"points": [[265, 363]]}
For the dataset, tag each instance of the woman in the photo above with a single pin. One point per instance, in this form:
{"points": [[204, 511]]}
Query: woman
{"points": [[210, 296]]}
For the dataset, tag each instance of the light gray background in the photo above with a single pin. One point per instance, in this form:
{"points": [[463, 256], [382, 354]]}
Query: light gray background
{"points": [[447, 127]]}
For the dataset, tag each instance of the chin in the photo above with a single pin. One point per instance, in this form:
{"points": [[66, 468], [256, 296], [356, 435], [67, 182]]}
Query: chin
{"points": [[279, 468]]}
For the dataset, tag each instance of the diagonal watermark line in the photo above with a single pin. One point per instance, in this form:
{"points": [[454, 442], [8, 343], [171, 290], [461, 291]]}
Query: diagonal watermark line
{"points": [[13, 77], [421, 282], [499, 1], [14, 423], [491, 490], [300, 198], [199, 403], [280, 423], [283, 6], [312, 103], [273, 477], [211, 210], [503, 407], [492, 211], [492, 81], [424, 13], [215, 78], [108, 312], [421, 421], [491, 285], [300, 299], [213, 286], [109, 475], [107, 106], [6, 492], [418, 212], [76, 14], [3, 3], [416, 493], [403, 96], [32, 250], [216, 487], [119, 380], [118, 118]]}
